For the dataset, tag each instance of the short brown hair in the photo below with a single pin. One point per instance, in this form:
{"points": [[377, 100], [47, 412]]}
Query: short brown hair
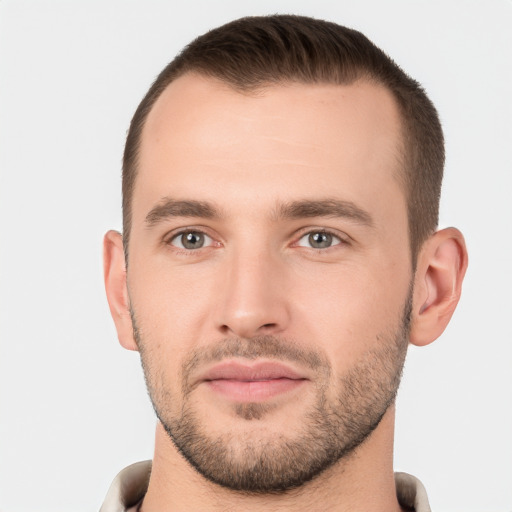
{"points": [[253, 52]]}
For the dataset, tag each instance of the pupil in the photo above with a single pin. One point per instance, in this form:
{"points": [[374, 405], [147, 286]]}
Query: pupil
{"points": [[320, 240], [192, 240]]}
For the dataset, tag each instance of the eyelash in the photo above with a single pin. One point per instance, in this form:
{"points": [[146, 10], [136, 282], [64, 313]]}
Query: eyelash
{"points": [[183, 251], [343, 240]]}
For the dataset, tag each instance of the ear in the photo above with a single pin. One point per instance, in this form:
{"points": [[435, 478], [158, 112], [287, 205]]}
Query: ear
{"points": [[116, 287], [440, 270]]}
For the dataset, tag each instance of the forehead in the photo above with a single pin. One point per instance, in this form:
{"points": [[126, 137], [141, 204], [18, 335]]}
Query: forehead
{"points": [[204, 138]]}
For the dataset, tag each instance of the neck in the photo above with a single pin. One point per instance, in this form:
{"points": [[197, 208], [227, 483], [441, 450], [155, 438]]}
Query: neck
{"points": [[362, 481]]}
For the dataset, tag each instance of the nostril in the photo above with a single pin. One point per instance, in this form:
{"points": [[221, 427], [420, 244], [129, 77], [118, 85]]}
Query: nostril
{"points": [[224, 329], [247, 330]]}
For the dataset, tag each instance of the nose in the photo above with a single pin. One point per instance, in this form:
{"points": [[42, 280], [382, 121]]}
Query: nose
{"points": [[253, 296]]}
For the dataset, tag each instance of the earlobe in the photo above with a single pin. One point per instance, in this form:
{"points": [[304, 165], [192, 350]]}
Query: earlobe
{"points": [[116, 287], [440, 271]]}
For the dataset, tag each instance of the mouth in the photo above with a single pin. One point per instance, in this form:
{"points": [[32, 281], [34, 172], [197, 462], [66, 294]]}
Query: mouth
{"points": [[256, 382]]}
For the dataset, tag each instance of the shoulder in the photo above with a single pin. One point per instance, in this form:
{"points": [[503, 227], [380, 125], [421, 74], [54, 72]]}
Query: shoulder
{"points": [[411, 493], [128, 487]]}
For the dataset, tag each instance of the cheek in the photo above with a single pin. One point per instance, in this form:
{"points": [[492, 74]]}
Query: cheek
{"points": [[351, 312], [171, 295], [172, 309]]}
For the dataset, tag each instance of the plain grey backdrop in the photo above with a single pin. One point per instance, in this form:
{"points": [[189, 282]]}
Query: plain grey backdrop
{"points": [[73, 406]]}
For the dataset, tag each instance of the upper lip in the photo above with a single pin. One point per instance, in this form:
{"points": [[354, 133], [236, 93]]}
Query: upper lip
{"points": [[250, 371]]}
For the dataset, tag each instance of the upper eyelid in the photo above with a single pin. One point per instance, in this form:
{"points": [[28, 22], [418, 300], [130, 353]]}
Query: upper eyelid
{"points": [[341, 241], [181, 233], [326, 231], [344, 237], [171, 235]]}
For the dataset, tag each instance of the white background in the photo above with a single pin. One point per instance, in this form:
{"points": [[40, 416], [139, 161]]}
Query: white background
{"points": [[73, 406]]}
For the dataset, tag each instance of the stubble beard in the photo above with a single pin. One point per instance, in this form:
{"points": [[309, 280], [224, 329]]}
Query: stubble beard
{"points": [[331, 430]]}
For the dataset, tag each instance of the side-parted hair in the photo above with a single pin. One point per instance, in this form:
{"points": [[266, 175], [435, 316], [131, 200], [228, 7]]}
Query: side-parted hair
{"points": [[256, 52]]}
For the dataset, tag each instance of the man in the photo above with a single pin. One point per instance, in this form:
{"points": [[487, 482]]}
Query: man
{"points": [[281, 184]]}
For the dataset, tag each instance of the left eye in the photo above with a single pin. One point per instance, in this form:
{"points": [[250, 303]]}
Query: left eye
{"points": [[319, 240], [191, 240]]}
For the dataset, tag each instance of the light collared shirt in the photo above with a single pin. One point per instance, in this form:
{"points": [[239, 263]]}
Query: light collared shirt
{"points": [[130, 486]]}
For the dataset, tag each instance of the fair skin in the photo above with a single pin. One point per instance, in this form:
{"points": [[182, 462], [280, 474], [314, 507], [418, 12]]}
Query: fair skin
{"points": [[255, 271]]}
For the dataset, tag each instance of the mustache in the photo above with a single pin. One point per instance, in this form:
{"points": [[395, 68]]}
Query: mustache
{"points": [[265, 346]]}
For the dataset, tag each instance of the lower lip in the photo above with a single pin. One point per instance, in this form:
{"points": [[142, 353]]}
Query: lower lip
{"points": [[254, 391]]}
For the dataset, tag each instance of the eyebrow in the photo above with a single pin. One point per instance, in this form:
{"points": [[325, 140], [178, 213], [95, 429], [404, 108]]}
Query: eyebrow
{"points": [[300, 209], [168, 208], [325, 208]]}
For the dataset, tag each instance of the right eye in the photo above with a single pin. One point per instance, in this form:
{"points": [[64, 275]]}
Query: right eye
{"points": [[191, 240]]}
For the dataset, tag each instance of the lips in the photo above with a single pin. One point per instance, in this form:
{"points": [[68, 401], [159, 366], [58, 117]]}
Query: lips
{"points": [[261, 371], [252, 382]]}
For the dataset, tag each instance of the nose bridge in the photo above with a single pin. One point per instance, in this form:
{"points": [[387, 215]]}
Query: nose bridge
{"points": [[252, 293]]}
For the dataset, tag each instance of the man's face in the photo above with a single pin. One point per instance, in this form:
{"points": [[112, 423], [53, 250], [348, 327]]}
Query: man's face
{"points": [[269, 274]]}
